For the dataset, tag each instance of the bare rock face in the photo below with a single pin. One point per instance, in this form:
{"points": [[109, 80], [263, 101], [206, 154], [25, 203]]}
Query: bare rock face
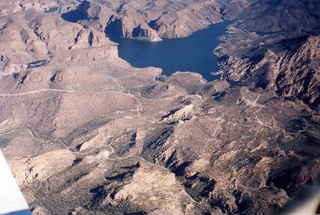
{"points": [[30, 42], [300, 77], [160, 191], [153, 20], [178, 21], [125, 28], [288, 16], [42, 167], [286, 61], [86, 133]]}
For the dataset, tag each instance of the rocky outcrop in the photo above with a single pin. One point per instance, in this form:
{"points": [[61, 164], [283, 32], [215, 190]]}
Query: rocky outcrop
{"points": [[182, 114], [152, 21], [179, 21], [292, 73], [288, 16], [27, 39], [283, 61], [12, 6], [124, 28], [41, 167], [185, 21], [161, 192], [299, 72]]}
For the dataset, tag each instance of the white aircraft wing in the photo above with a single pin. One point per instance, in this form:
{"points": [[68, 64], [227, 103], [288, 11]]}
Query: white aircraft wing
{"points": [[12, 201]]}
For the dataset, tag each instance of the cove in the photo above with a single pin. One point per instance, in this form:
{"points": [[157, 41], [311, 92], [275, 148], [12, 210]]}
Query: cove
{"points": [[193, 53]]}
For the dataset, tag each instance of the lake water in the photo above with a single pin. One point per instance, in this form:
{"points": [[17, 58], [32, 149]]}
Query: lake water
{"points": [[193, 53]]}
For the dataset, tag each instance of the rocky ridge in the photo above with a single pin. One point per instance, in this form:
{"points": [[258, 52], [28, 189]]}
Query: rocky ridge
{"points": [[152, 20], [284, 59]]}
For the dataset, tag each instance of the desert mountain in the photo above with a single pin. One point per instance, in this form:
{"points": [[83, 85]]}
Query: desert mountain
{"points": [[86, 133]]}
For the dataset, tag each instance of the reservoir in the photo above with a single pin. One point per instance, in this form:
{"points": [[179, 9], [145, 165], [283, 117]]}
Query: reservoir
{"points": [[193, 53]]}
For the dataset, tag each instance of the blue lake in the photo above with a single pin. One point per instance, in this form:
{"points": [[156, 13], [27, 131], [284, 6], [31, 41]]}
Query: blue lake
{"points": [[193, 53]]}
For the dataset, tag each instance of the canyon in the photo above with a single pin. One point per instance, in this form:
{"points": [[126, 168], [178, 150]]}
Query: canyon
{"points": [[84, 132]]}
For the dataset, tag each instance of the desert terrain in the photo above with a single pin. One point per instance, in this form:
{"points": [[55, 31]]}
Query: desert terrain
{"points": [[84, 132]]}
